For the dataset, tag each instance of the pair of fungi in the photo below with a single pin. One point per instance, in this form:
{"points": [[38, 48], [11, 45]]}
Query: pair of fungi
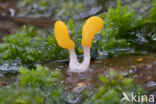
{"points": [[93, 25]]}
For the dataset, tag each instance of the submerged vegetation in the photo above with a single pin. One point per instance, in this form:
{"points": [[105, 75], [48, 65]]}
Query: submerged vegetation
{"points": [[46, 87]]}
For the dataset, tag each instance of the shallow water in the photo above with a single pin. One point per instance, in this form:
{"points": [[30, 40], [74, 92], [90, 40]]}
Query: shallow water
{"points": [[141, 68]]}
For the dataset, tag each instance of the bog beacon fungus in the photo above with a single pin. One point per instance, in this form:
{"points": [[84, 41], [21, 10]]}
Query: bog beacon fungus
{"points": [[93, 25]]}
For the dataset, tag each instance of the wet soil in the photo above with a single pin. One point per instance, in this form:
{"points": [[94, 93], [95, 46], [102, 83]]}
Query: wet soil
{"points": [[141, 68], [7, 27]]}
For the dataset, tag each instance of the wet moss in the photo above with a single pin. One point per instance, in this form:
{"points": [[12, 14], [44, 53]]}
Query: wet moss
{"points": [[127, 32], [36, 86], [29, 46], [46, 87], [110, 92]]}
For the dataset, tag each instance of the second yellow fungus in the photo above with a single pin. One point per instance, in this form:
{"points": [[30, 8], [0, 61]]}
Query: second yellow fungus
{"points": [[62, 35], [93, 25]]}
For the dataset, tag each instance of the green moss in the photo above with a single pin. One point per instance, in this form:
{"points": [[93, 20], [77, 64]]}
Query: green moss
{"points": [[46, 87], [36, 86], [18, 95], [117, 23], [30, 46], [110, 92], [151, 17], [127, 32]]}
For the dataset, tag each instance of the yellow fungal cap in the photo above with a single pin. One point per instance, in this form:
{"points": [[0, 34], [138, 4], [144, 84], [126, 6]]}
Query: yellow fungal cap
{"points": [[93, 25], [62, 35]]}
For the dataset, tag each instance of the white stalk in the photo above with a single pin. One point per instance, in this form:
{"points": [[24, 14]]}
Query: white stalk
{"points": [[86, 58], [74, 65]]}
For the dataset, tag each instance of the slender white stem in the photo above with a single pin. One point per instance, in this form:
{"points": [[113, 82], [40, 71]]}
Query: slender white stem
{"points": [[86, 58], [74, 65]]}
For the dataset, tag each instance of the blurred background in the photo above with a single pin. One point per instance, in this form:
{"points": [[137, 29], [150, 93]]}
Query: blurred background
{"points": [[14, 13]]}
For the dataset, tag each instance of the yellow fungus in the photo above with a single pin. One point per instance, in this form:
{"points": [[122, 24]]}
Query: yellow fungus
{"points": [[139, 59], [62, 35], [93, 25]]}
